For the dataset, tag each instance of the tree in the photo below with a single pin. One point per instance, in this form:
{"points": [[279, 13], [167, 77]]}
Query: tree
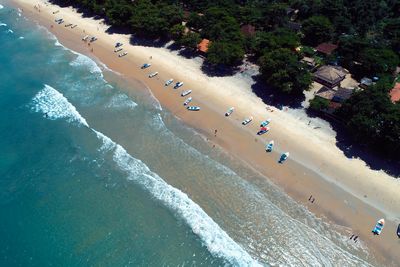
{"points": [[189, 40], [264, 42], [177, 31], [378, 61], [319, 103], [225, 53], [317, 29], [281, 69]]}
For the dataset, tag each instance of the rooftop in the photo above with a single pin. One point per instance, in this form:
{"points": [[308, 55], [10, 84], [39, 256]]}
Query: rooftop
{"points": [[326, 48], [330, 73], [395, 93], [326, 93], [203, 45]]}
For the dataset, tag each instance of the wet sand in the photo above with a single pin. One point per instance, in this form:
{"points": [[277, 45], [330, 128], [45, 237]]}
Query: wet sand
{"points": [[346, 192]]}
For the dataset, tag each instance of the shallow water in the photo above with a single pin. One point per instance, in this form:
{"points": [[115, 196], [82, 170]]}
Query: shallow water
{"points": [[94, 173]]}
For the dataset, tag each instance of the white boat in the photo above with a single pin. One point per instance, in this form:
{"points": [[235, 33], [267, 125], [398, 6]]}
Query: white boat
{"points": [[153, 74], [247, 121], [379, 227], [123, 54], [187, 101], [270, 146], [85, 38], [73, 26], [229, 111], [193, 108], [93, 39], [178, 84], [145, 65], [265, 123], [284, 157], [117, 49], [169, 82], [185, 93], [60, 21]]}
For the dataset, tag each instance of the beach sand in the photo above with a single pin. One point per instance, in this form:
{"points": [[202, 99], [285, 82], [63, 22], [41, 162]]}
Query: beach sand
{"points": [[347, 192]]}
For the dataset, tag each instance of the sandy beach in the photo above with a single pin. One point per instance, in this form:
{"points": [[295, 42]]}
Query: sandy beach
{"points": [[346, 191]]}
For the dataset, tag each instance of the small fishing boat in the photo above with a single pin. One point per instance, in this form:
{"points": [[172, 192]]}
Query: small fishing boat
{"points": [[185, 93], [247, 121], [270, 146], [85, 38], [67, 25], [193, 108], [153, 74], [379, 227], [187, 101], [123, 54], [93, 39], [73, 26], [167, 83], [118, 45], [283, 157], [398, 230], [145, 66], [229, 112], [61, 21], [178, 84], [263, 130], [117, 49], [265, 123]]}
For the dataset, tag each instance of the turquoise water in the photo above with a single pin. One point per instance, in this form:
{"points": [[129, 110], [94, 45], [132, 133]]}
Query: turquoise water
{"points": [[96, 174]]}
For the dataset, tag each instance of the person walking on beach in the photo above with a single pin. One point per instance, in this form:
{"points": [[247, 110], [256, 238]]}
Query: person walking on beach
{"points": [[215, 132]]}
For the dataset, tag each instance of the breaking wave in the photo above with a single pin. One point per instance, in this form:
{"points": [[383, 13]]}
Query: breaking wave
{"points": [[82, 60], [121, 101]]}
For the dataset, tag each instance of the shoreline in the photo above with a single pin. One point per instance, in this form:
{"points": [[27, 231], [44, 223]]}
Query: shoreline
{"points": [[306, 172]]}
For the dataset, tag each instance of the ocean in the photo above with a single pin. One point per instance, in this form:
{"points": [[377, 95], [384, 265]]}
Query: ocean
{"points": [[95, 173]]}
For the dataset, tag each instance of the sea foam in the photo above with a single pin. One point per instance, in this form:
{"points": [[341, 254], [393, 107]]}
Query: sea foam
{"points": [[82, 60], [55, 106], [215, 239], [1, 6], [121, 101]]}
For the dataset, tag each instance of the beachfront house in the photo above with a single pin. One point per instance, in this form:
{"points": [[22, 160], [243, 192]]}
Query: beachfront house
{"points": [[326, 49], [395, 93], [334, 97], [365, 83], [202, 47], [329, 76]]}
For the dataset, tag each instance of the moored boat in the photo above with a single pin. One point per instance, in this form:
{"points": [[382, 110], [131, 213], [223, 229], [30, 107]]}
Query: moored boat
{"points": [[398, 230], [153, 74], [185, 93], [270, 146], [117, 49], [169, 82], [178, 84], [379, 227], [265, 123], [85, 38], [145, 66], [229, 111], [123, 54], [263, 130], [118, 45], [93, 39], [193, 108], [284, 157], [247, 120], [187, 101]]}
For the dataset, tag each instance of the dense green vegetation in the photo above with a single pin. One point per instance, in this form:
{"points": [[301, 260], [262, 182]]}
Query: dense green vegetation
{"points": [[366, 31]]}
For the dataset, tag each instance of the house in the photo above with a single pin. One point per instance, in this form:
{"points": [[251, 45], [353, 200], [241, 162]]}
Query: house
{"points": [[330, 76], [248, 30], [395, 93], [326, 48], [365, 83], [203, 46], [342, 94], [310, 62], [326, 93]]}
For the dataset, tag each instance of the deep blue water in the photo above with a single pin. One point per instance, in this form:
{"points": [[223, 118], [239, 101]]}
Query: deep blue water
{"points": [[93, 173]]}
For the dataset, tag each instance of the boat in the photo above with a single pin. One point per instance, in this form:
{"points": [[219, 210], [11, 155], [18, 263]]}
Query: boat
{"points": [[265, 123], [169, 82], [118, 45], [153, 74], [379, 227], [93, 39], [117, 49], [398, 230], [67, 25], [178, 84], [193, 108], [283, 157], [247, 121], [187, 101], [85, 38], [229, 111], [60, 21], [263, 130], [145, 66], [73, 26], [185, 93], [123, 54], [270, 146]]}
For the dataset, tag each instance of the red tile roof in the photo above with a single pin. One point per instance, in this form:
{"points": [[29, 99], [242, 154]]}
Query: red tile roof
{"points": [[203, 45], [326, 48], [395, 93]]}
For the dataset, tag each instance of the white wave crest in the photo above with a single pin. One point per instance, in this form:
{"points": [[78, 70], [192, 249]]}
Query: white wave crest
{"points": [[10, 31], [55, 106], [3, 24], [121, 101], [1, 6], [215, 239], [82, 60]]}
